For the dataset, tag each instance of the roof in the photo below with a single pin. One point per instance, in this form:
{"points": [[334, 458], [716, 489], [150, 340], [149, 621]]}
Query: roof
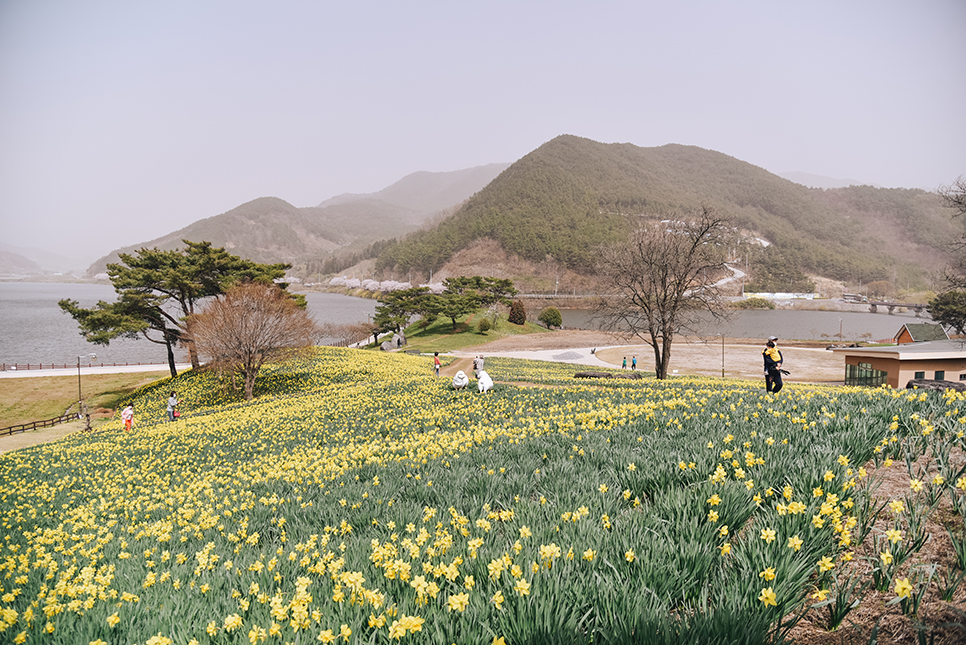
{"points": [[935, 349], [923, 332]]}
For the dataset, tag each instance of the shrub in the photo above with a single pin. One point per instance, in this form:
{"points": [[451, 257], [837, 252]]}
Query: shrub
{"points": [[484, 325], [753, 303], [551, 317], [518, 313]]}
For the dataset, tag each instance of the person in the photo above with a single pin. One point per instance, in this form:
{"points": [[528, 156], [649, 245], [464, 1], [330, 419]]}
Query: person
{"points": [[484, 382], [172, 406], [624, 364], [460, 381], [127, 414], [773, 359], [436, 362], [634, 363]]}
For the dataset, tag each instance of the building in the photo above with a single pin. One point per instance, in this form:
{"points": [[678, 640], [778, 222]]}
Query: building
{"points": [[940, 360], [920, 333]]}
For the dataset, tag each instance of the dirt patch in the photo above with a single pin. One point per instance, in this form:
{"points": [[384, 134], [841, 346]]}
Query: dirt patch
{"points": [[690, 356]]}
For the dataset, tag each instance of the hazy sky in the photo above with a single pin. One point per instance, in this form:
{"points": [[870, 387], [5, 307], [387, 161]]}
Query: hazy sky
{"points": [[122, 121]]}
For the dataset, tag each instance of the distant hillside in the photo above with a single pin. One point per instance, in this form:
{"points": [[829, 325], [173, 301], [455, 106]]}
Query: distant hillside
{"points": [[818, 181], [570, 195], [14, 264], [269, 229], [28, 261]]}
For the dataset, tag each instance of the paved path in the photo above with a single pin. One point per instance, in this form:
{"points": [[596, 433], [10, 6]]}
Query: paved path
{"points": [[85, 370], [576, 356]]}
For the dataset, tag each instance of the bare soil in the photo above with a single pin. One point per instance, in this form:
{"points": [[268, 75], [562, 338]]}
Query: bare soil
{"points": [[808, 363]]}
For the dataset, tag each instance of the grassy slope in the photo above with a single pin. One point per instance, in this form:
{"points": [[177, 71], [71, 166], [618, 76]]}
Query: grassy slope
{"points": [[336, 427], [45, 397]]}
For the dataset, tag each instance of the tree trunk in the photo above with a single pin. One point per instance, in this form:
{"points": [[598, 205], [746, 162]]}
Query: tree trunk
{"points": [[660, 367], [193, 354], [171, 367], [666, 358], [250, 383]]}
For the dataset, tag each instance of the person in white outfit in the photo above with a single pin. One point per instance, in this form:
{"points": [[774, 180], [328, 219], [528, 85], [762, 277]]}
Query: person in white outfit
{"points": [[460, 380], [484, 382]]}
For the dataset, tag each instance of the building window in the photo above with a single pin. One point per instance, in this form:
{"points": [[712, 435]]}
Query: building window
{"points": [[940, 375], [920, 375], [863, 375], [962, 377]]}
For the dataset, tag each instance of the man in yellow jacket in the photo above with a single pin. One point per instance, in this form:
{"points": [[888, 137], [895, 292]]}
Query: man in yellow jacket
{"points": [[773, 366]]}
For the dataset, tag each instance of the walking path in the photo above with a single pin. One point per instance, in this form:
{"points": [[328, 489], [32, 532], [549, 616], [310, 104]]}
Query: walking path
{"points": [[85, 370]]}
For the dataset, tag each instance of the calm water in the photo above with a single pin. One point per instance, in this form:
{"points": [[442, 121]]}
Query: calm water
{"points": [[787, 325], [33, 329]]}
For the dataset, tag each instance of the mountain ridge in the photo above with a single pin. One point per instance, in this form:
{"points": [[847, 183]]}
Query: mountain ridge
{"points": [[269, 229], [570, 195]]}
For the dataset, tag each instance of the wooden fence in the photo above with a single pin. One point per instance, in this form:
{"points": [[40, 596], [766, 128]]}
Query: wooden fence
{"points": [[33, 425], [62, 366]]}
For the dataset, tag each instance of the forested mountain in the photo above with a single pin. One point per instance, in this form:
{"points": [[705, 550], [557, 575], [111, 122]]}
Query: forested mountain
{"points": [[571, 194], [271, 230]]}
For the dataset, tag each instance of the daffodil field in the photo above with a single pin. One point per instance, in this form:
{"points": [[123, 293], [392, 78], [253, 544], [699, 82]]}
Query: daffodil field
{"points": [[359, 499]]}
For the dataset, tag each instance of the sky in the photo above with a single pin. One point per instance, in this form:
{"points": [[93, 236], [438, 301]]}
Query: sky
{"points": [[122, 121]]}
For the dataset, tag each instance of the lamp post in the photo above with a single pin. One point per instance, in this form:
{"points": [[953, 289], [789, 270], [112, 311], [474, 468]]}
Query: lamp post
{"points": [[81, 407], [841, 335], [722, 354]]}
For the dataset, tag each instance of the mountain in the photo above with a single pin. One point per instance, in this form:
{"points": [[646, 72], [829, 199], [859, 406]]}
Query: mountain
{"points": [[23, 261], [818, 181], [14, 264], [570, 195], [269, 229]]}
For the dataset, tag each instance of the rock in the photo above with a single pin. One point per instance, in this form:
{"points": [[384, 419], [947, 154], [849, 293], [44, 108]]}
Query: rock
{"points": [[386, 346], [927, 384], [398, 340]]}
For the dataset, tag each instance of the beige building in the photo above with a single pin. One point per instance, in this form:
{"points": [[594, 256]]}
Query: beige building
{"points": [[940, 360]]}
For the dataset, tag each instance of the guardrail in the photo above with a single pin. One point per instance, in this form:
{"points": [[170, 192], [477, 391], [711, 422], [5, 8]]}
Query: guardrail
{"points": [[33, 425], [63, 366]]}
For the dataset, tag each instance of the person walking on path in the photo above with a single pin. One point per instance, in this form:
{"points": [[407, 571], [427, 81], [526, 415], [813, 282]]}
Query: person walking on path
{"points": [[436, 362], [173, 407], [634, 363], [624, 364], [127, 415], [773, 359]]}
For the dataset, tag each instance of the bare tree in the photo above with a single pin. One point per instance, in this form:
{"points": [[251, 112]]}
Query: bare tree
{"points": [[251, 324], [954, 196], [663, 278]]}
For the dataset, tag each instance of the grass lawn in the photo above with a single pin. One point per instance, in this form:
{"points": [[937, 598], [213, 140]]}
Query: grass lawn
{"points": [[34, 399], [439, 336]]}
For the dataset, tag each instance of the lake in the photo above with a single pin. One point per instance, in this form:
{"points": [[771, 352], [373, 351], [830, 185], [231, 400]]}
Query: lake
{"points": [[788, 324], [33, 329]]}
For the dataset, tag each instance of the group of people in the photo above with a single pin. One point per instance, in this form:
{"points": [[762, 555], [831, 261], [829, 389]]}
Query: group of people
{"points": [[127, 414], [483, 381], [633, 363]]}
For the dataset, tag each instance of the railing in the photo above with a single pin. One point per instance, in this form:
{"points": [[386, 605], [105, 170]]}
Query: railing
{"points": [[64, 366], [33, 425]]}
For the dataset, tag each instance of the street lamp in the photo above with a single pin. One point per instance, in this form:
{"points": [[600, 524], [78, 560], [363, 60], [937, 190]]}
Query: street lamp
{"points": [[722, 354], [81, 407], [841, 335]]}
